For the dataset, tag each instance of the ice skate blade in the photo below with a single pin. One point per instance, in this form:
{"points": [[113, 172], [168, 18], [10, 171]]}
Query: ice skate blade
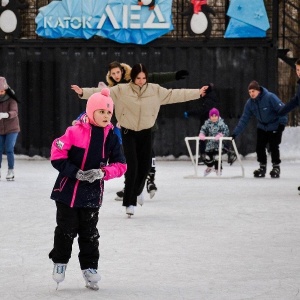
{"points": [[152, 194], [118, 198], [92, 286], [10, 179], [129, 216], [259, 176]]}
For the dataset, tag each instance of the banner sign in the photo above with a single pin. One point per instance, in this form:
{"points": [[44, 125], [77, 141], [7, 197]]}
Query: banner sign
{"points": [[124, 21]]}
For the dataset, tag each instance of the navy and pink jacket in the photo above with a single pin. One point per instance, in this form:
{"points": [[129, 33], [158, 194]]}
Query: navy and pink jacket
{"points": [[84, 147]]}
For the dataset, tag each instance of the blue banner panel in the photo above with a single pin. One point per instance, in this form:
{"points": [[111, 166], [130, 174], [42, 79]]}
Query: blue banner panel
{"points": [[123, 21], [238, 29]]}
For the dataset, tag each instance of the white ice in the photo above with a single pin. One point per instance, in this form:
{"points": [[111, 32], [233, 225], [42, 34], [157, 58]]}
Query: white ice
{"points": [[235, 238]]}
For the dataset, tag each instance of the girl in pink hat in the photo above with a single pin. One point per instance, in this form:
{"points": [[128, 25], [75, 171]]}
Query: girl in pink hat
{"points": [[88, 154]]}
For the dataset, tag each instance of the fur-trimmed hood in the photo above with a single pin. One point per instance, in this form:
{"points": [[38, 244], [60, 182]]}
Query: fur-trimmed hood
{"points": [[126, 77]]}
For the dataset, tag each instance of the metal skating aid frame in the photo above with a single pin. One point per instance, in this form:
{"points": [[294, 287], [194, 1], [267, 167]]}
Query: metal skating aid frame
{"points": [[195, 160]]}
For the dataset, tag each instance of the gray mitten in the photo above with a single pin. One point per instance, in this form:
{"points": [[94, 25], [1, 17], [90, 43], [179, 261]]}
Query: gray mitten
{"points": [[94, 174], [80, 175]]}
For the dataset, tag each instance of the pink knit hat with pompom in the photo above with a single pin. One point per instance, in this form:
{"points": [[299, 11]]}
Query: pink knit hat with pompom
{"points": [[97, 101]]}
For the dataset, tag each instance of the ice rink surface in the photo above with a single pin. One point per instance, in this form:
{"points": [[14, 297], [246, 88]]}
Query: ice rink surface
{"points": [[235, 238]]}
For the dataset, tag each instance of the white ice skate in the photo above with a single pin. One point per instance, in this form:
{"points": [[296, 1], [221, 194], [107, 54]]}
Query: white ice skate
{"points": [[91, 278], [130, 211], [58, 274], [10, 175], [140, 199]]}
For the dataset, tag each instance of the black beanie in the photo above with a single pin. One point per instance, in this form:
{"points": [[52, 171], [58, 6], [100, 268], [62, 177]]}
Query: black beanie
{"points": [[254, 85]]}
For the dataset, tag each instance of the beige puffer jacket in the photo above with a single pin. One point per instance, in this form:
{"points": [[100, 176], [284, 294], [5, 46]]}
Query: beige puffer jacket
{"points": [[137, 108]]}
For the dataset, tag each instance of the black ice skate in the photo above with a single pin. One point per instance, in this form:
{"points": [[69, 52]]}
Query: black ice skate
{"points": [[201, 159], [275, 172], [231, 157], [120, 195], [151, 187], [261, 172]]}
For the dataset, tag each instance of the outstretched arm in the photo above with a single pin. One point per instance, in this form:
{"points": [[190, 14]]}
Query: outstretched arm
{"points": [[77, 90]]}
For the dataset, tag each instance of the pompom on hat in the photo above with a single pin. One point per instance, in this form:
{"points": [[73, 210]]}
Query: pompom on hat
{"points": [[214, 111], [100, 100], [3, 84], [254, 85]]}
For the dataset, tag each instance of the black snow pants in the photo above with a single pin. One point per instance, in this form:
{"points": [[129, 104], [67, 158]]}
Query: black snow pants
{"points": [[70, 222]]}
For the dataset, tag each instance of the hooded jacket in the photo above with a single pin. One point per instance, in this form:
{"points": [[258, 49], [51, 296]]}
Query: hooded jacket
{"points": [[84, 147], [265, 108]]}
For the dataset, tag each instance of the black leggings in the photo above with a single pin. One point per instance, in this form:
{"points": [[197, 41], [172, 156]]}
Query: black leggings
{"points": [[137, 149]]}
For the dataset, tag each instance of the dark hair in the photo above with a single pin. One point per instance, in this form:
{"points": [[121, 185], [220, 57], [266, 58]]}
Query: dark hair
{"points": [[115, 64], [297, 63], [136, 69]]}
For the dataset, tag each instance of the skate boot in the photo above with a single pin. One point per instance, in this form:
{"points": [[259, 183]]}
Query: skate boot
{"points": [[151, 187], [299, 190], [120, 195], [91, 278], [201, 159], [231, 157], [130, 211], [208, 170], [261, 172], [10, 175], [275, 172], [58, 274]]}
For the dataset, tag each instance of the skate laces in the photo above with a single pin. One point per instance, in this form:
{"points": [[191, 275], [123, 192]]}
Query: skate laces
{"points": [[60, 269]]}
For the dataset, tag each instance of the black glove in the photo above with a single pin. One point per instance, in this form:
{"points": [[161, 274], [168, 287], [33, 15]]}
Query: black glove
{"points": [[182, 74], [233, 136], [281, 128]]}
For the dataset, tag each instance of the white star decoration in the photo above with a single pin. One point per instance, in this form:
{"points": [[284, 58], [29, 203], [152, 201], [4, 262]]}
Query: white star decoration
{"points": [[258, 14]]}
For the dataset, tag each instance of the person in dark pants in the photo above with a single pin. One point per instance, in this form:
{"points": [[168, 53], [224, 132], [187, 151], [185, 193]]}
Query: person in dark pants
{"points": [[120, 73], [208, 101], [137, 106], [264, 106], [85, 156]]}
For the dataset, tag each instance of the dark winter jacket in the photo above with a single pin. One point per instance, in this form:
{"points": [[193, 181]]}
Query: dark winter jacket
{"points": [[85, 147], [293, 103], [265, 108], [11, 124]]}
